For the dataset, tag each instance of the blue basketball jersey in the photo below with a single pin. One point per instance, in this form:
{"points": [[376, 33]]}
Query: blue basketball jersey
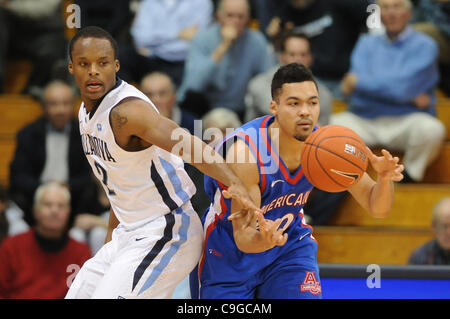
{"points": [[283, 195]]}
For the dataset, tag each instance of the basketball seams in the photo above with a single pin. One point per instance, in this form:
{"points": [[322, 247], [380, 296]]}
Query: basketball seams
{"points": [[324, 129], [324, 170], [338, 155]]}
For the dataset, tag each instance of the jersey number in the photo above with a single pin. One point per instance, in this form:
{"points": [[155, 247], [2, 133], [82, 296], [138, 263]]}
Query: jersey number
{"points": [[102, 172]]}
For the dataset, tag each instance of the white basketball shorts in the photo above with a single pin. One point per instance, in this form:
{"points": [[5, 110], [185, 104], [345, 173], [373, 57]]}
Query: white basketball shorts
{"points": [[146, 262]]}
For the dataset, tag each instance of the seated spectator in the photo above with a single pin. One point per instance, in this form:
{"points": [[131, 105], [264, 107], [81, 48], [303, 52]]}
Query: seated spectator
{"points": [[392, 81], [161, 90], [436, 251], [223, 58], [49, 149], [223, 119], [161, 34], [332, 28], [293, 48], [11, 217], [434, 20], [32, 30], [36, 264]]}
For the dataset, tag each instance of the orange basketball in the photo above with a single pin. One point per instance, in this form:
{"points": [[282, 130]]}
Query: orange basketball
{"points": [[334, 158]]}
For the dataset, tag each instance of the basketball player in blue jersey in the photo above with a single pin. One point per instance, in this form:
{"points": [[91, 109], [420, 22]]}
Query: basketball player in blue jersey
{"points": [[274, 256], [154, 238]]}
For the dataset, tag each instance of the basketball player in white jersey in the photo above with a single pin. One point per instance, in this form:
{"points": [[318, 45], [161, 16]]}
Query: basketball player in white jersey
{"points": [[154, 238]]}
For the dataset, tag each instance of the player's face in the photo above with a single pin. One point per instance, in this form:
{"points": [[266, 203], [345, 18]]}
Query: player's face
{"points": [[94, 67], [53, 211], [297, 109]]}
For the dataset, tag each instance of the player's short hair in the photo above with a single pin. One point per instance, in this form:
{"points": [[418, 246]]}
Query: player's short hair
{"points": [[290, 73], [93, 32]]}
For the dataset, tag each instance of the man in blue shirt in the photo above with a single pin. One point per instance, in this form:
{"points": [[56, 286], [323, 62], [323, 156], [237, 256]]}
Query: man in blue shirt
{"points": [[161, 33], [392, 80], [224, 57]]}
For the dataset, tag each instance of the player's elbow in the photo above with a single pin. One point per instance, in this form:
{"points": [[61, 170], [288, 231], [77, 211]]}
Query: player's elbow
{"points": [[380, 213]]}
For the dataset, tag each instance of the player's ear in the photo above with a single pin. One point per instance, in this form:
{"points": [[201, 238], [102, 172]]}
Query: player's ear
{"points": [[70, 67], [273, 107], [117, 65]]}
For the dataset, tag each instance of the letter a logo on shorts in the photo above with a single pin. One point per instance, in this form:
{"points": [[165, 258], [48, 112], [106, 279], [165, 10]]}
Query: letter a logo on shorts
{"points": [[311, 284]]}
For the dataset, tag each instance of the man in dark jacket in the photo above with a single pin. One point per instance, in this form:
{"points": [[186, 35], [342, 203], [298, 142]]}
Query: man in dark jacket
{"points": [[436, 251], [49, 149]]}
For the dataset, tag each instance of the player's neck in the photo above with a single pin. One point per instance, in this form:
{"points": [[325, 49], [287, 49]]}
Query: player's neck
{"points": [[88, 104]]}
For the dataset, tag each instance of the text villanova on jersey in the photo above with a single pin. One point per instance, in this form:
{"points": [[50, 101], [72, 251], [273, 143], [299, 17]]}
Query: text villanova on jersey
{"points": [[95, 146]]}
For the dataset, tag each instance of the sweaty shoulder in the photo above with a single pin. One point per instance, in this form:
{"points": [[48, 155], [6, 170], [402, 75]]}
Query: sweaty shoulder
{"points": [[129, 119], [129, 109]]}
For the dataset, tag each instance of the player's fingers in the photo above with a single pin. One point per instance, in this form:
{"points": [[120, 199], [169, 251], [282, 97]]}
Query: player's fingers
{"points": [[237, 214], [276, 224], [249, 218], [283, 240], [261, 220], [371, 155], [386, 154], [226, 194]]}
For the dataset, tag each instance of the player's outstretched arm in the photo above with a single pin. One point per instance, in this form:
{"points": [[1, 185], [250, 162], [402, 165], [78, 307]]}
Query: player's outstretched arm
{"points": [[136, 117], [252, 233], [378, 197]]}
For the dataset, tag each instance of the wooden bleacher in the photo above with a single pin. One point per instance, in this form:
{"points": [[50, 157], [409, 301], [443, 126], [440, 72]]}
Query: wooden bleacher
{"points": [[354, 237], [368, 245], [16, 111]]}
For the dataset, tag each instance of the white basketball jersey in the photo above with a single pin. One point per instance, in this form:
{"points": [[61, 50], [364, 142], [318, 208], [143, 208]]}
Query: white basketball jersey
{"points": [[142, 185]]}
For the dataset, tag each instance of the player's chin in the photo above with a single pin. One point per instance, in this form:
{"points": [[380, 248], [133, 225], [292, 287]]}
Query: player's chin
{"points": [[94, 95], [302, 136]]}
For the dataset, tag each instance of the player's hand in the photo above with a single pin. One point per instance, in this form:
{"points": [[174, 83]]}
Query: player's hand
{"points": [[386, 166], [269, 230], [248, 209]]}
